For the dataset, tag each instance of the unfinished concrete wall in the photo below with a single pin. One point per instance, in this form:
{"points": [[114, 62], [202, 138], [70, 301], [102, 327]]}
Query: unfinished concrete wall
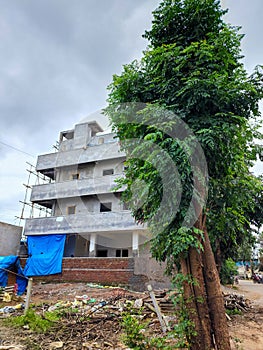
{"points": [[10, 236], [98, 222], [79, 156], [82, 135], [111, 164], [154, 271], [101, 138], [67, 173], [87, 204]]}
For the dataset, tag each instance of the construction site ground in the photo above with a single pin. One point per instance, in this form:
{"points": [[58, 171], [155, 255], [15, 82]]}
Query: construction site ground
{"points": [[102, 328]]}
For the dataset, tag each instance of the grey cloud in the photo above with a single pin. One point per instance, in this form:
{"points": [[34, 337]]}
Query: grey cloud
{"points": [[58, 56], [64, 55], [248, 16]]}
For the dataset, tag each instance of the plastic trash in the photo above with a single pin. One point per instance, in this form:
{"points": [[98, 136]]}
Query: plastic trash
{"points": [[7, 310], [7, 297]]}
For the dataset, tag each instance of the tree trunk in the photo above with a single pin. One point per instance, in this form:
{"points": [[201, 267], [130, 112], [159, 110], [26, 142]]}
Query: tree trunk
{"points": [[195, 341], [204, 299], [215, 297], [218, 257], [196, 302], [200, 299]]}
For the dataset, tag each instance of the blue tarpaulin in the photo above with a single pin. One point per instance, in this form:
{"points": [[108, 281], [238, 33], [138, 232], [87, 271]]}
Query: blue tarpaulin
{"points": [[12, 263], [45, 255]]}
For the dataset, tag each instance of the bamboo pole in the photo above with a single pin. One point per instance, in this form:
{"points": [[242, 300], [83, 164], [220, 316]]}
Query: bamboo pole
{"points": [[28, 294]]}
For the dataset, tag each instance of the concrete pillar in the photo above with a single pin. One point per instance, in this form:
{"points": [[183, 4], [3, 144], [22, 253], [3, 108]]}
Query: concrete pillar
{"points": [[135, 244], [92, 245]]}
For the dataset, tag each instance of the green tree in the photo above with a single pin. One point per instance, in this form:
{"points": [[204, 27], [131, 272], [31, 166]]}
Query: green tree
{"points": [[192, 74], [235, 217]]}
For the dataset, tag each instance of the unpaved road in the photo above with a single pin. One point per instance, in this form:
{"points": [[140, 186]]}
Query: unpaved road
{"points": [[246, 331], [252, 291]]}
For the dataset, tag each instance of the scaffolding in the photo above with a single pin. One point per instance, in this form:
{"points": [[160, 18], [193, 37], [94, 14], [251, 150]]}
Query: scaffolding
{"points": [[30, 209]]}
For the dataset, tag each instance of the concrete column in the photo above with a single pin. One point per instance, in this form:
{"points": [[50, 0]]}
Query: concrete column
{"points": [[92, 245], [135, 244]]}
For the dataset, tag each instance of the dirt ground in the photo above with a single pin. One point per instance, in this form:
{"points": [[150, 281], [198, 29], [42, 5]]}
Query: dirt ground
{"points": [[246, 330], [102, 329]]}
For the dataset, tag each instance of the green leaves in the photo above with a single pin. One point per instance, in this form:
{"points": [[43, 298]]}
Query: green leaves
{"points": [[183, 22], [191, 71], [186, 239]]}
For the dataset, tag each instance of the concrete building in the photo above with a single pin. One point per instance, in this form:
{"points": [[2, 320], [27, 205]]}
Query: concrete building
{"points": [[10, 236], [103, 244], [81, 196]]}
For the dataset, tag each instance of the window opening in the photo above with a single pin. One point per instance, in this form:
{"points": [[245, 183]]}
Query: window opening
{"points": [[108, 172], [105, 207], [122, 253], [67, 135], [102, 253], [71, 209], [75, 176]]}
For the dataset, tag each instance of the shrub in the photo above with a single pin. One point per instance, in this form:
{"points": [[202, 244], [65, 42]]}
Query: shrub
{"points": [[228, 271]]}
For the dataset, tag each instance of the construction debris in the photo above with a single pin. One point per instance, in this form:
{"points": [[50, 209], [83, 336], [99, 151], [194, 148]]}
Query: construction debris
{"points": [[11, 309], [93, 319], [6, 293], [236, 302]]}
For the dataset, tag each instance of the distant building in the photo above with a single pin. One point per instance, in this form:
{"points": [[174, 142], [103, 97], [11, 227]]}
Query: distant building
{"points": [[10, 236]]}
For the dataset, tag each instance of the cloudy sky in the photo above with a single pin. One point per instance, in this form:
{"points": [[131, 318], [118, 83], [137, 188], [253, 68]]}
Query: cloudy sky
{"points": [[57, 58]]}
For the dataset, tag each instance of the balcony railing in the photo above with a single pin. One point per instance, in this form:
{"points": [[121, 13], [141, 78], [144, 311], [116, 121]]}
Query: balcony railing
{"points": [[74, 188], [79, 156], [89, 223]]}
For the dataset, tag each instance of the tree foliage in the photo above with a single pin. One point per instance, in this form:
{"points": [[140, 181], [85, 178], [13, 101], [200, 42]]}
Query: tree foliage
{"points": [[190, 89], [193, 68]]}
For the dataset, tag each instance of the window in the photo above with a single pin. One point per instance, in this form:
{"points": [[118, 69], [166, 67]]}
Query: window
{"points": [[105, 207], [101, 140], [122, 253], [67, 135], [108, 172], [102, 253], [75, 176], [71, 210]]}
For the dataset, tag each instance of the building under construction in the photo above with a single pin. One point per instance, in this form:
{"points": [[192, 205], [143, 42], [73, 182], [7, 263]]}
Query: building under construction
{"points": [[102, 241]]}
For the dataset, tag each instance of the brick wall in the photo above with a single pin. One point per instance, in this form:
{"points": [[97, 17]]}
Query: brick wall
{"points": [[110, 271]]}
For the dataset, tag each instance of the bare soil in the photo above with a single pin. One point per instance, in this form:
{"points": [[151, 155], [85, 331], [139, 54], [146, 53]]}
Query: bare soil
{"points": [[102, 329], [246, 330]]}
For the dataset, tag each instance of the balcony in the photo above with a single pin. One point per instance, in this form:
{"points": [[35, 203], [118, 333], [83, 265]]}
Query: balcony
{"points": [[89, 223], [79, 156], [74, 188]]}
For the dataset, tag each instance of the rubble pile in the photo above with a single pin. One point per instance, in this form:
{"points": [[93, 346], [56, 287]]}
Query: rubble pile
{"points": [[94, 320], [87, 322], [236, 302]]}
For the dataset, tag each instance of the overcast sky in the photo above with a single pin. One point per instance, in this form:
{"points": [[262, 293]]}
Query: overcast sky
{"points": [[56, 59]]}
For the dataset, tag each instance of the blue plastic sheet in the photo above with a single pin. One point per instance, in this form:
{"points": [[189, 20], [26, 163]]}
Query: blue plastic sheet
{"points": [[45, 255], [12, 263], [21, 281]]}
